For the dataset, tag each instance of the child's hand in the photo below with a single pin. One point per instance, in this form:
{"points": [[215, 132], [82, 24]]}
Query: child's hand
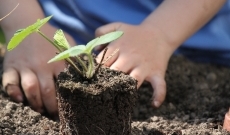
{"points": [[144, 50], [143, 54], [27, 72]]}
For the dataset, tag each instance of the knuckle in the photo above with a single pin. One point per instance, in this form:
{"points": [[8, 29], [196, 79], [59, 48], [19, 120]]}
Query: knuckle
{"points": [[29, 85], [46, 90]]}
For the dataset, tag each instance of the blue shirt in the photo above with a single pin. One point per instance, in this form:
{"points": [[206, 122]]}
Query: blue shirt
{"points": [[80, 18]]}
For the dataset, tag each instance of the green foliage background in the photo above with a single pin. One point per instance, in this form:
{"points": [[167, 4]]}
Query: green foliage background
{"points": [[2, 37]]}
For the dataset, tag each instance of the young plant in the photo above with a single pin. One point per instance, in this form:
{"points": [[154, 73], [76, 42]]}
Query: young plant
{"points": [[66, 52]]}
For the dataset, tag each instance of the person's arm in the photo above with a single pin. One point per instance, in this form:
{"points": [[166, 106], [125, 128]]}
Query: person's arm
{"points": [[26, 71], [179, 19], [145, 49]]}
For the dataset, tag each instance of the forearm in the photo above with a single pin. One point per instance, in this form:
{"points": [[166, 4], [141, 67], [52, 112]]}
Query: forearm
{"points": [[25, 14], [179, 19]]}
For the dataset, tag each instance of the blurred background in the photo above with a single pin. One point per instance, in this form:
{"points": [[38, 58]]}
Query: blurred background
{"points": [[2, 43], [2, 38]]}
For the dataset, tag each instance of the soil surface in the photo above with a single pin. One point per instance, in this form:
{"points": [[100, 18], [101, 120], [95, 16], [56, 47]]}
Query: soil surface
{"points": [[197, 100]]}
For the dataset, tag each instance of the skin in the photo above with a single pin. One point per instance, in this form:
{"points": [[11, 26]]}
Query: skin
{"points": [[25, 68], [144, 49]]}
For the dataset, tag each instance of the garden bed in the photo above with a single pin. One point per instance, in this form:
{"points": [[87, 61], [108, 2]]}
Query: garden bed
{"points": [[197, 100]]}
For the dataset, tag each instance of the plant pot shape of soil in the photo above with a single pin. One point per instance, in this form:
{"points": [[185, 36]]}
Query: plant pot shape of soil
{"points": [[101, 105]]}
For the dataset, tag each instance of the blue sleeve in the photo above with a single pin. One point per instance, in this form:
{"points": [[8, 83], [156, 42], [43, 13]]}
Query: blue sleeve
{"points": [[81, 18]]}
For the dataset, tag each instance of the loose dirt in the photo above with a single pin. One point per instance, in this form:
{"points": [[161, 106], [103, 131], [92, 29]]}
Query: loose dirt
{"points": [[197, 100]]}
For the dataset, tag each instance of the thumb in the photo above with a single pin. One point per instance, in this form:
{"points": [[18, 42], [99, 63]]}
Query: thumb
{"points": [[159, 85], [107, 28], [102, 31]]}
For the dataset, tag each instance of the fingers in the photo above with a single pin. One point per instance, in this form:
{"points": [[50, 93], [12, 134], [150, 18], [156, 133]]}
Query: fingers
{"points": [[48, 93], [39, 91], [99, 48], [119, 65], [157, 81], [31, 88], [107, 28], [110, 56], [127, 66], [140, 62], [137, 74], [159, 85], [140, 74], [10, 82], [101, 31]]}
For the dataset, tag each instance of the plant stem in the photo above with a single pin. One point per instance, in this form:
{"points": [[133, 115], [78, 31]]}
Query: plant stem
{"points": [[72, 63], [60, 50], [82, 63], [90, 71], [103, 56], [44, 36]]}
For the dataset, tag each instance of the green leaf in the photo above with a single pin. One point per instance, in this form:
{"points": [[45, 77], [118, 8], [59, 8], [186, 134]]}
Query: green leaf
{"points": [[18, 31], [71, 52], [21, 34], [60, 40], [109, 37]]}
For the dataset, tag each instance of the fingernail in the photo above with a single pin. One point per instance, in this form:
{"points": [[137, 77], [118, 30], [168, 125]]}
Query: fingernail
{"points": [[19, 98], [9, 87]]}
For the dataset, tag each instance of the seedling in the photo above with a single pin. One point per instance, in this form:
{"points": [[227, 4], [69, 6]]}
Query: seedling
{"points": [[66, 52]]}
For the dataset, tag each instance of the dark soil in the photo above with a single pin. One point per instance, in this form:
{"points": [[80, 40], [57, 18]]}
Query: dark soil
{"points": [[196, 102], [101, 105]]}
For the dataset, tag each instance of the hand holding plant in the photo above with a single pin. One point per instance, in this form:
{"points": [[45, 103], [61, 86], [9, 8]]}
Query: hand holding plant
{"points": [[143, 54], [27, 78], [62, 45]]}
